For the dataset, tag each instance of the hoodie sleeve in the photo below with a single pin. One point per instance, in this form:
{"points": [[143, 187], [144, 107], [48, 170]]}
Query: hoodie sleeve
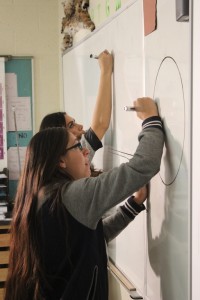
{"points": [[119, 220]]}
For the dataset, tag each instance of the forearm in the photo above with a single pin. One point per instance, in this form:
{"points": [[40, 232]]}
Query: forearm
{"points": [[102, 111], [115, 223]]}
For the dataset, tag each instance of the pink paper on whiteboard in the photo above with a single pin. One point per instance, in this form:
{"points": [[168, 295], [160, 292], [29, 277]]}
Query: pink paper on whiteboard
{"points": [[150, 23]]}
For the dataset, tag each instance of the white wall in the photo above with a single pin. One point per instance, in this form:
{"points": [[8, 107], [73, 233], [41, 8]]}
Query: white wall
{"points": [[31, 28]]}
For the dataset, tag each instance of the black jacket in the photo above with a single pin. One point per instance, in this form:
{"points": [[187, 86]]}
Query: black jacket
{"points": [[74, 257]]}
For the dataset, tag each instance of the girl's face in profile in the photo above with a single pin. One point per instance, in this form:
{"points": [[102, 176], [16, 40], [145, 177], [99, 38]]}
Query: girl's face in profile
{"points": [[73, 127], [75, 161]]}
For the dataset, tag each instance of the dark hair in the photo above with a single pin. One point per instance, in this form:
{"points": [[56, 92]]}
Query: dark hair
{"points": [[56, 119], [41, 168], [95, 172]]}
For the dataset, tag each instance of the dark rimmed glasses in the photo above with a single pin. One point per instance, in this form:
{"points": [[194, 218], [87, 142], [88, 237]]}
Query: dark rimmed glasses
{"points": [[78, 145]]}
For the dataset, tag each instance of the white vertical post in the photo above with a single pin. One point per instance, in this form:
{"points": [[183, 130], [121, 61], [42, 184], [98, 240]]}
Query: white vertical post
{"points": [[195, 191]]}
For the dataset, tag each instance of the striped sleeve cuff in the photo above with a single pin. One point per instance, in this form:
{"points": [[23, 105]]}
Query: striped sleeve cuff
{"points": [[131, 208], [93, 140], [153, 122]]}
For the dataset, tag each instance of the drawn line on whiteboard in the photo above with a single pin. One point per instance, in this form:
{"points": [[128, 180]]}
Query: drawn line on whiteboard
{"points": [[121, 152], [118, 154], [154, 97]]}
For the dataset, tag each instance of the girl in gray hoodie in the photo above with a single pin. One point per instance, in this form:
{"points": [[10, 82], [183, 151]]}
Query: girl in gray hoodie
{"points": [[57, 233]]}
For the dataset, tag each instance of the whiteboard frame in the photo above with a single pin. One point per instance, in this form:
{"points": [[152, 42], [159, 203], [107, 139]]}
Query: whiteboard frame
{"points": [[195, 145]]}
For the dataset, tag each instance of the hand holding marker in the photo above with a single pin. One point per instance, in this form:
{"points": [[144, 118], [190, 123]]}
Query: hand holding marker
{"points": [[126, 108], [94, 56], [129, 108]]}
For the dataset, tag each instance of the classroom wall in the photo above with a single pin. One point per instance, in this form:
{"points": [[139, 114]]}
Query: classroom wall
{"points": [[31, 28]]}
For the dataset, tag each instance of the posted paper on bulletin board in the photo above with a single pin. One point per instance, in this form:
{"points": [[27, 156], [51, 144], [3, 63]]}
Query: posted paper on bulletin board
{"points": [[19, 91]]}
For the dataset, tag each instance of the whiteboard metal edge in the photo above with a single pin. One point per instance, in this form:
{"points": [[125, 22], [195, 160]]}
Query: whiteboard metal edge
{"points": [[195, 206]]}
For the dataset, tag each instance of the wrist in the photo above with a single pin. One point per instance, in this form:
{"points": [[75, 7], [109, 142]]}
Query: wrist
{"points": [[137, 201], [154, 121], [131, 208], [106, 73]]}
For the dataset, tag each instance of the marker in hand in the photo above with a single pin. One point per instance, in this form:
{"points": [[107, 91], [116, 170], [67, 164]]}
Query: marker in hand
{"points": [[129, 108], [94, 56]]}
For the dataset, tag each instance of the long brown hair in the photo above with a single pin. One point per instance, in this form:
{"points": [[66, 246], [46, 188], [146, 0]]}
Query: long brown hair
{"points": [[56, 119], [41, 168]]}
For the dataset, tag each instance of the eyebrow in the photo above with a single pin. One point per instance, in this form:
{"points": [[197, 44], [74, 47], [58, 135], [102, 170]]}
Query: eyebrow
{"points": [[72, 121]]}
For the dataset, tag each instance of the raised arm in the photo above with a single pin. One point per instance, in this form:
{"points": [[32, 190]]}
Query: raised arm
{"points": [[102, 111]]}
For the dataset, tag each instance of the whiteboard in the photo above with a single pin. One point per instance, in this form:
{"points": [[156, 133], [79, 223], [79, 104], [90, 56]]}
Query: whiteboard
{"points": [[167, 71], [153, 252]]}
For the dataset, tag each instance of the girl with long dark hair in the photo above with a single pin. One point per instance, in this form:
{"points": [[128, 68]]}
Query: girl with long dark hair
{"points": [[57, 234]]}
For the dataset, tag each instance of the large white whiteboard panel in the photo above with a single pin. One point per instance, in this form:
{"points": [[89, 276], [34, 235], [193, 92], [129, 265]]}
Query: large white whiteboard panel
{"points": [[167, 71], [124, 37], [153, 251]]}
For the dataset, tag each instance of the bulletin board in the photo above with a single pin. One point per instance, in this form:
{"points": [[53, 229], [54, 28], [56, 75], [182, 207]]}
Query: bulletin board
{"points": [[3, 139], [19, 100]]}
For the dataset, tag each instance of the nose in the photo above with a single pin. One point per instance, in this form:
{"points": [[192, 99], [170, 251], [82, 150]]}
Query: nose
{"points": [[79, 126], [85, 151]]}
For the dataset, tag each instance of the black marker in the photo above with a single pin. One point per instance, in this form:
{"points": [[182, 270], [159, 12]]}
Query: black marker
{"points": [[94, 56], [129, 108]]}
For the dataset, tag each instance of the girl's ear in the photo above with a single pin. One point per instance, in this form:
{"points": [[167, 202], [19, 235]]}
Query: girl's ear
{"points": [[62, 163]]}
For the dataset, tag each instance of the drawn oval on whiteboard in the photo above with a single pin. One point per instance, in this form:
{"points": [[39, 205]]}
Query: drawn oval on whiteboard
{"points": [[169, 96]]}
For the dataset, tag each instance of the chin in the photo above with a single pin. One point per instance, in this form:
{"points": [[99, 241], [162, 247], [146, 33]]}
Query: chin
{"points": [[88, 173], [79, 137]]}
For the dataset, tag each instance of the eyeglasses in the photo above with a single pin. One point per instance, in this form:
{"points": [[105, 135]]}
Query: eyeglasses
{"points": [[78, 145], [71, 124]]}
